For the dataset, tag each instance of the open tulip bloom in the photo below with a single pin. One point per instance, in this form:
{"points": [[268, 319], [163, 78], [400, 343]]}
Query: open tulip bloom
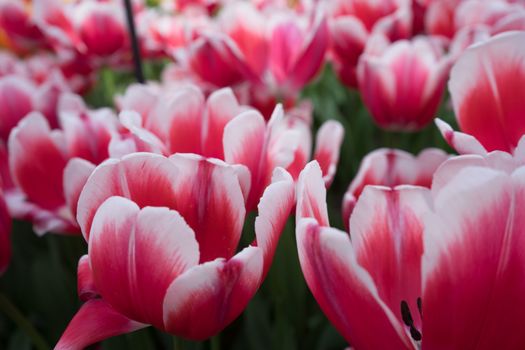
{"points": [[162, 236], [429, 269]]}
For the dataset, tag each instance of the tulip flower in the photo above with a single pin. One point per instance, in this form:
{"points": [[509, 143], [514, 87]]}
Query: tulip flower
{"points": [[486, 86], [402, 83], [5, 233], [181, 120], [391, 168], [49, 167], [173, 261], [424, 269]]}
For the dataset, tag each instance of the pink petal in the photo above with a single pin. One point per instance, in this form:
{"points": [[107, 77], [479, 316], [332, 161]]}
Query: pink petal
{"points": [[208, 297], [344, 290], [209, 197], [5, 234], [473, 277], [37, 162], [154, 186], [327, 145], [244, 143], [178, 120], [136, 254], [76, 174], [386, 228], [486, 86], [311, 195], [95, 321], [273, 211], [221, 107], [86, 283], [311, 58], [285, 47], [16, 101], [461, 142]]}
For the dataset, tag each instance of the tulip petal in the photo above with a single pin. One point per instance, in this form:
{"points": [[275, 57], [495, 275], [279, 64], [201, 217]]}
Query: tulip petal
{"points": [[344, 290], [76, 174], [136, 254], [221, 107], [154, 186], [486, 85], [95, 321], [209, 197], [390, 221], [461, 142], [327, 146], [473, 277], [244, 143], [274, 208], [205, 299], [35, 158], [311, 195], [86, 283]]}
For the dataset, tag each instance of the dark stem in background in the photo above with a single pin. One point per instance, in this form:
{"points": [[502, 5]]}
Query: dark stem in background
{"points": [[139, 74]]}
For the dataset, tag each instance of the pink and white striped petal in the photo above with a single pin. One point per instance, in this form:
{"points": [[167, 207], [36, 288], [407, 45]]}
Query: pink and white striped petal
{"points": [[76, 173], [386, 228], [136, 255], [345, 291], [85, 282], [95, 321], [209, 197], [327, 146], [473, 277], [154, 186], [273, 211], [311, 195], [486, 85], [208, 297]]}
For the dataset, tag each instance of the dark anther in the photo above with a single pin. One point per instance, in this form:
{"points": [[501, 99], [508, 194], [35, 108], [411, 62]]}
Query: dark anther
{"points": [[409, 321], [420, 306], [415, 334], [405, 314]]}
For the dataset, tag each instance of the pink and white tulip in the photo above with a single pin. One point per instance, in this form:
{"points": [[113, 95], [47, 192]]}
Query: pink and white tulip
{"points": [[424, 269], [49, 167], [189, 273], [402, 83], [486, 86], [391, 168], [182, 120]]}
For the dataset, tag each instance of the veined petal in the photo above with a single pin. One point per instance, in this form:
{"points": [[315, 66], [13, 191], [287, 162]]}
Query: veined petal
{"points": [[311, 195], [95, 321], [486, 85], [273, 209], [386, 228], [209, 197], [208, 297], [136, 254], [344, 290], [473, 277], [327, 146], [86, 283]]}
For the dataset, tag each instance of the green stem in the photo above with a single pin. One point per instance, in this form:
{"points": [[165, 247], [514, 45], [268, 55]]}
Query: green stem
{"points": [[108, 82], [11, 311], [177, 343], [215, 343]]}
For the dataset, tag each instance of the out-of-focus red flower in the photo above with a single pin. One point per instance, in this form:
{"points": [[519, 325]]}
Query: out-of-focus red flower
{"points": [[182, 120], [391, 168], [410, 267], [486, 86], [176, 237], [49, 167], [402, 83]]}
